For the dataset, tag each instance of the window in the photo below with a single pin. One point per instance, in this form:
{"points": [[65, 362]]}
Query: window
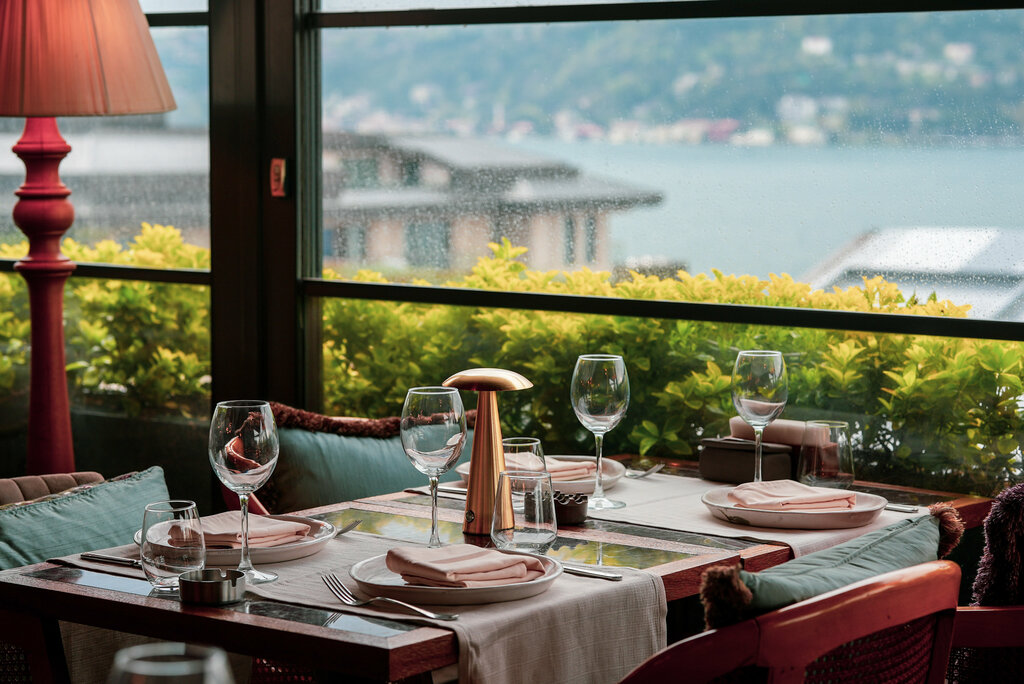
{"points": [[569, 240], [590, 239]]}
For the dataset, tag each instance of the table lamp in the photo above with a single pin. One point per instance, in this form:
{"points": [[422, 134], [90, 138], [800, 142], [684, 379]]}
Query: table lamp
{"points": [[64, 58], [488, 457]]}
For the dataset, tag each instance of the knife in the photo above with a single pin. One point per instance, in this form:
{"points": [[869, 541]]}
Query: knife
{"points": [[113, 560], [590, 572]]}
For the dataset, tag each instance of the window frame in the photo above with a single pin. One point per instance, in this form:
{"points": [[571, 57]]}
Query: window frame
{"points": [[265, 104]]}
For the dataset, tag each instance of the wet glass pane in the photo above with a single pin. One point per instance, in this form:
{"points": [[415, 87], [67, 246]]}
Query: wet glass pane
{"points": [[864, 152], [126, 171], [938, 413]]}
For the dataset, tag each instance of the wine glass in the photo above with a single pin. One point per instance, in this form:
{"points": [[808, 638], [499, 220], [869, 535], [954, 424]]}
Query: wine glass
{"points": [[170, 662], [433, 433], [760, 388], [243, 450], [600, 397]]}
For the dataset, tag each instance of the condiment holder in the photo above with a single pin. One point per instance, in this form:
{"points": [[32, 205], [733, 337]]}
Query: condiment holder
{"points": [[212, 586], [570, 509]]}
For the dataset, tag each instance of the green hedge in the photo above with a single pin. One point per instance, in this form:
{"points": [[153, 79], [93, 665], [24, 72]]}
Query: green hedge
{"points": [[927, 411]]}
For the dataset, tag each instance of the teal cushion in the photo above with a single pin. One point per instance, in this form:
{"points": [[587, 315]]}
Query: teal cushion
{"points": [[319, 468], [729, 595], [899, 545], [104, 515]]}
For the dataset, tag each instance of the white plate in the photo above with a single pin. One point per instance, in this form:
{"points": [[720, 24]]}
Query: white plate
{"points": [[866, 509], [374, 578], [320, 532], [612, 469]]}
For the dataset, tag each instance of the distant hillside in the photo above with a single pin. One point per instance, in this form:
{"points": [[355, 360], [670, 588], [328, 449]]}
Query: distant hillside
{"points": [[948, 74]]}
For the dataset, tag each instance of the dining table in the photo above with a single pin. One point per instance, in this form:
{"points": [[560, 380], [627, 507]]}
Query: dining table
{"points": [[672, 547]]}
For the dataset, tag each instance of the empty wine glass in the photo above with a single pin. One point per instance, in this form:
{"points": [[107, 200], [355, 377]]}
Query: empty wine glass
{"points": [[600, 397], [433, 433], [170, 662], [243, 451], [760, 389]]}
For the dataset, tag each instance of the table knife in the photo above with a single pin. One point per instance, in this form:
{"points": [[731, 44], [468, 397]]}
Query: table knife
{"points": [[113, 560], [590, 572]]}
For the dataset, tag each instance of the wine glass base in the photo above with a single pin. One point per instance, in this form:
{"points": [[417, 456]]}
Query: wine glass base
{"points": [[604, 504], [259, 576]]}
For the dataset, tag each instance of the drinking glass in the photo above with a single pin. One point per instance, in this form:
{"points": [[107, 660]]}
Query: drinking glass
{"points": [[526, 453], [169, 662], [532, 527], [433, 432], [243, 450], [760, 389], [600, 397], [172, 542], [826, 455]]}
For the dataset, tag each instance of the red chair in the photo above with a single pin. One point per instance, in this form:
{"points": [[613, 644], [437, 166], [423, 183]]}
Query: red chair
{"points": [[896, 627]]}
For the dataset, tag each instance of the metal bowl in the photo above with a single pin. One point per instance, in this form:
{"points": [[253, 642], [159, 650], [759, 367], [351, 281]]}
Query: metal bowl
{"points": [[212, 586]]}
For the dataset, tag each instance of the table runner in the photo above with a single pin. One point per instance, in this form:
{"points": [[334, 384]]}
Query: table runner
{"points": [[580, 630], [673, 502]]}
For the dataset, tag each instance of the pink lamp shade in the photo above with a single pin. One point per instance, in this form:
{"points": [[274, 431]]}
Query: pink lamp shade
{"points": [[79, 58]]}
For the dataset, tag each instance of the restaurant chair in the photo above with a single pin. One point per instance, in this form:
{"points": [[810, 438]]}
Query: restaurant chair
{"points": [[895, 627], [988, 635]]}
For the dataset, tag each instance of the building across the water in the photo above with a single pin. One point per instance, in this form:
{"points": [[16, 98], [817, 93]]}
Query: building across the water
{"points": [[435, 202], [983, 267]]}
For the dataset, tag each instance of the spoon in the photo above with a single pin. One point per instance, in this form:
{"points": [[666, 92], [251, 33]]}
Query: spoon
{"points": [[636, 474]]}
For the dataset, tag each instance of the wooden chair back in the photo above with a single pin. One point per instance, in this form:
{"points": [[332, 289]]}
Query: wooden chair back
{"points": [[896, 627]]}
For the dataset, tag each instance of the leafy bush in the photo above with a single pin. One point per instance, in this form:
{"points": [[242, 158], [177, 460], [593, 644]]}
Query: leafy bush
{"points": [[927, 411]]}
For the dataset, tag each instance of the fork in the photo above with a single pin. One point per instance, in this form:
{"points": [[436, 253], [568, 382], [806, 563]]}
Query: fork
{"points": [[345, 596], [636, 474]]}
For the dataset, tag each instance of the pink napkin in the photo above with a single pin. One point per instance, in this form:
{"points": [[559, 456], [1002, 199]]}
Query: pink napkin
{"points": [[225, 529], [781, 431], [787, 495], [462, 565], [559, 470]]}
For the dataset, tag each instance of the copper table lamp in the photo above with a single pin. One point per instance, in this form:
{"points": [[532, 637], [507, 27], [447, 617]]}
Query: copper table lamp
{"points": [[488, 457]]}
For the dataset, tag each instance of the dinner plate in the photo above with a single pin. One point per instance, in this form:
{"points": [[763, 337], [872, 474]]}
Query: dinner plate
{"points": [[865, 509], [374, 578], [612, 469], [320, 532]]}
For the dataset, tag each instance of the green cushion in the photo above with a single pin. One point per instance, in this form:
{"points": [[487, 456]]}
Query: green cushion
{"points": [[107, 514], [899, 545], [319, 468]]}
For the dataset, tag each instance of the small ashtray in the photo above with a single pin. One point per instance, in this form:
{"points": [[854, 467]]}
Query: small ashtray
{"points": [[212, 587], [570, 509]]}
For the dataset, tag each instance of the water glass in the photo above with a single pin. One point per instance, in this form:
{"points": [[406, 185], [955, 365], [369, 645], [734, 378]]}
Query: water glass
{"points": [[172, 542], [826, 455], [524, 453], [531, 525], [170, 662]]}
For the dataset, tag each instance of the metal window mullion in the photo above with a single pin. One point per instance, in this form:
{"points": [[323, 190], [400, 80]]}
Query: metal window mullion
{"points": [[697, 311], [678, 9]]}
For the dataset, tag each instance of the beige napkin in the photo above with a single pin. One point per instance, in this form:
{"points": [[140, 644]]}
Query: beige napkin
{"points": [[559, 470], [461, 565], [787, 495], [225, 529]]}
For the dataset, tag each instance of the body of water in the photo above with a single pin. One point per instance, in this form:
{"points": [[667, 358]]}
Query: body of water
{"points": [[788, 209]]}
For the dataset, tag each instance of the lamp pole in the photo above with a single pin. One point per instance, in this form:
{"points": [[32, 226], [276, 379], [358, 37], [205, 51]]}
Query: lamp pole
{"points": [[44, 213]]}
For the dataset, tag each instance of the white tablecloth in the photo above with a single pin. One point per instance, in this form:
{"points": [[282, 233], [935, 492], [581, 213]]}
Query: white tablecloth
{"points": [[580, 630], [673, 502]]}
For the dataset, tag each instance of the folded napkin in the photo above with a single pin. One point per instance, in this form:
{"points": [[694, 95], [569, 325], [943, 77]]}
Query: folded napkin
{"points": [[781, 431], [462, 565], [559, 470], [787, 495], [225, 529]]}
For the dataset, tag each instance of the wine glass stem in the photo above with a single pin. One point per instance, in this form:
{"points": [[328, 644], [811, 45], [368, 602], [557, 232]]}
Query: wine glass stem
{"points": [[244, 564], [435, 541], [598, 485], [758, 432]]}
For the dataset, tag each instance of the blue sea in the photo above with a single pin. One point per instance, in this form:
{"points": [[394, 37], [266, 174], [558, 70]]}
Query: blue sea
{"points": [[785, 209]]}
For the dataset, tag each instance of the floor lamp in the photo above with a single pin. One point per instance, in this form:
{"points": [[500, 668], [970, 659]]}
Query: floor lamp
{"points": [[64, 58]]}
